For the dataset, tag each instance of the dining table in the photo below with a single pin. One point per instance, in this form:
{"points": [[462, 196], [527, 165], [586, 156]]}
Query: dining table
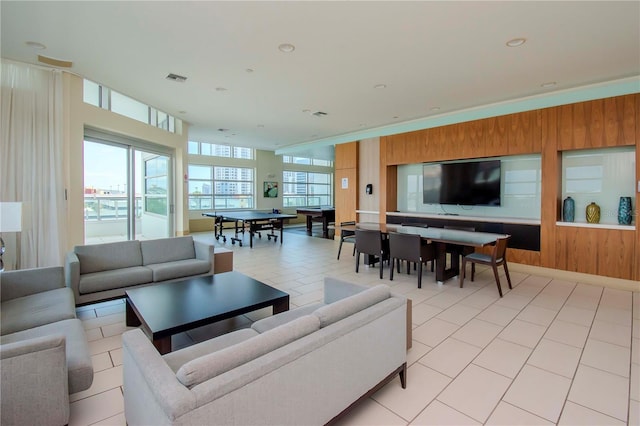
{"points": [[440, 238]]}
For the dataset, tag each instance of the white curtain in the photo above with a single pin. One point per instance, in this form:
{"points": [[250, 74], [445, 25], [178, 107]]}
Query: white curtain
{"points": [[31, 160]]}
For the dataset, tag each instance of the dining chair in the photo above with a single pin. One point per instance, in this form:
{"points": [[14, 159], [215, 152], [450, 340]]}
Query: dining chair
{"points": [[412, 248], [372, 243], [497, 257], [347, 236]]}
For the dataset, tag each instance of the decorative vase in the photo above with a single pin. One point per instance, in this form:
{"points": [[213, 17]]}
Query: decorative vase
{"points": [[568, 209], [624, 211], [593, 213]]}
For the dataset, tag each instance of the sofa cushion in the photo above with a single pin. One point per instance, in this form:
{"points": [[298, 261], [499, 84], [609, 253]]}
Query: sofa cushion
{"points": [[167, 250], [79, 366], [206, 367], [37, 309], [178, 358], [117, 278], [343, 308], [274, 321], [104, 257], [178, 269]]}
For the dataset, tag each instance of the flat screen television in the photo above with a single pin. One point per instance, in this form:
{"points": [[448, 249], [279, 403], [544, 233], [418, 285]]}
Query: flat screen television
{"points": [[474, 183]]}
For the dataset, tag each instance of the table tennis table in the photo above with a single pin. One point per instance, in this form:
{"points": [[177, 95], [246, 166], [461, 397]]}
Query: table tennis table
{"points": [[256, 220]]}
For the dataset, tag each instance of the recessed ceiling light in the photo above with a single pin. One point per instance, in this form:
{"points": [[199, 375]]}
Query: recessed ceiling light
{"points": [[361, 125], [380, 86], [306, 111], [249, 70], [548, 84], [222, 129], [221, 89], [182, 112], [35, 45], [286, 47], [395, 117], [434, 109], [261, 125], [516, 42]]}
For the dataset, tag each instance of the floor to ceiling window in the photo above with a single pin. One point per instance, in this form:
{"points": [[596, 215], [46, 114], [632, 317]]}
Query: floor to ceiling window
{"points": [[127, 191]]}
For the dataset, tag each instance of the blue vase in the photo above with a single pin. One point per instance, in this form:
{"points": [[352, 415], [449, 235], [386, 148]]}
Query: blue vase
{"points": [[568, 210], [624, 211]]}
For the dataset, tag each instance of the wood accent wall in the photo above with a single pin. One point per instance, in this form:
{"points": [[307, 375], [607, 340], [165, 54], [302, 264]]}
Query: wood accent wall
{"points": [[346, 166], [599, 123]]}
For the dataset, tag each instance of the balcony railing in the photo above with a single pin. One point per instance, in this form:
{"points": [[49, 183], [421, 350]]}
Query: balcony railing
{"points": [[109, 207]]}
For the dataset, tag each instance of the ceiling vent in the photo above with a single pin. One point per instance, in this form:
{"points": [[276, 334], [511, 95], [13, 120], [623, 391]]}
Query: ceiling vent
{"points": [[319, 114], [176, 77]]}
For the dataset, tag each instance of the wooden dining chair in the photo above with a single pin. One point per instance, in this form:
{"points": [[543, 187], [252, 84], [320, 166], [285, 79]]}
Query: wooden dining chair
{"points": [[347, 236], [372, 243], [412, 248], [497, 257]]}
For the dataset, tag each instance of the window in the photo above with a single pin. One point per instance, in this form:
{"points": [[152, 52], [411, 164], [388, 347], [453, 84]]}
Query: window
{"points": [[302, 189], [219, 188], [225, 151], [155, 185], [306, 161], [103, 97]]}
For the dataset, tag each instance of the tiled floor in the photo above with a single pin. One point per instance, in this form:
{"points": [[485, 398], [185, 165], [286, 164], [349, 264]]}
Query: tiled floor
{"points": [[550, 351]]}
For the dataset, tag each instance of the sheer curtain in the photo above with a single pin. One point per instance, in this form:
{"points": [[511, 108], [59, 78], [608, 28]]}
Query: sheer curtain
{"points": [[31, 159]]}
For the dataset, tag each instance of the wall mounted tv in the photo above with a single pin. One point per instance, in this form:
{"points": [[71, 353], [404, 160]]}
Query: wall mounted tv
{"points": [[473, 183]]}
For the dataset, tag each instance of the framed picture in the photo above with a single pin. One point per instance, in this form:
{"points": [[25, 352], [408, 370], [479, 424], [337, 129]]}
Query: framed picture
{"points": [[270, 189]]}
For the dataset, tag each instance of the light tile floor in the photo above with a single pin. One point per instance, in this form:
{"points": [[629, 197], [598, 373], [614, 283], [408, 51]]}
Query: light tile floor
{"points": [[549, 352]]}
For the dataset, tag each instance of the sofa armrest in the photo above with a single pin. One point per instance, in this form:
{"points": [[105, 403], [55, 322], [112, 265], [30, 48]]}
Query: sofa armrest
{"points": [[34, 381], [72, 273], [150, 386], [204, 252], [24, 282]]}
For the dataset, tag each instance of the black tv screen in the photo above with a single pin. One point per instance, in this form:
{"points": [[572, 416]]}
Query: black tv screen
{"points": [[474, 183]]}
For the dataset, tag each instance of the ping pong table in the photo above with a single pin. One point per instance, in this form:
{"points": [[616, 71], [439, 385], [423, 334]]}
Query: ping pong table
{"points": [[256, 220]]}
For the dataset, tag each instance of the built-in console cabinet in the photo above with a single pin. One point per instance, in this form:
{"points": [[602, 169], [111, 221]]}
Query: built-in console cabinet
{"points": [[525, 235]]}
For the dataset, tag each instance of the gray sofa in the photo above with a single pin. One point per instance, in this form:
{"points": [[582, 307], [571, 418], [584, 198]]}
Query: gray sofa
{"points": [[301, 367], [44, 354], [104, 271]]}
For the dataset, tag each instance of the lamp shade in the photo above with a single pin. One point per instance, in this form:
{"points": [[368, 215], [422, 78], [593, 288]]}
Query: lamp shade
{"points": [[11, 217]]}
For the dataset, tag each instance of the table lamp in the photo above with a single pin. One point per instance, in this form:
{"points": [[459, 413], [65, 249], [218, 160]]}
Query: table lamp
{"points": [[10, 221]]}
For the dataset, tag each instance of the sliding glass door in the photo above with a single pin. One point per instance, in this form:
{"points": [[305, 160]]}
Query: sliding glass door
{"points": [[126, 192]]}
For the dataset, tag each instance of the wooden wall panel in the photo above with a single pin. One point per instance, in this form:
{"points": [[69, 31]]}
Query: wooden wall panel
{"points": [[496, 135], [608, 252], [637, 210], [525, 257], [598, 124], [524, 135], [346, 166], [392, 192], [551, 169], [594, 124], [346, 156]]}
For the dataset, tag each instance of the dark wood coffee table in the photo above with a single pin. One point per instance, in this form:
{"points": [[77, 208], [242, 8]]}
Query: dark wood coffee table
{"points": [[163, 310]]}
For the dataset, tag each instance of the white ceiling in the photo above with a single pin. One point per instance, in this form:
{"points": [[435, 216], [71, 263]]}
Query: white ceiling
{"points": [[446, 55]]}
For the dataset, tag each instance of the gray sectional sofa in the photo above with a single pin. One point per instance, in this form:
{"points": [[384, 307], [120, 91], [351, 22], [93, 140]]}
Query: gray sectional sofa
{"points": [[44, 354], [104, 271], [301, 367]]}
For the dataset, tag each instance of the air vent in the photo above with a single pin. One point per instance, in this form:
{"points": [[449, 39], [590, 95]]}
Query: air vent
{"points": [[319, 114], [176, 77]]}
